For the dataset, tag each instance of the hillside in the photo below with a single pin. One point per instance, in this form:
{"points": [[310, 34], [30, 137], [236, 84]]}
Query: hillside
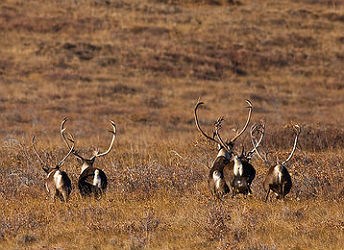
{"points": [[144, 64]]}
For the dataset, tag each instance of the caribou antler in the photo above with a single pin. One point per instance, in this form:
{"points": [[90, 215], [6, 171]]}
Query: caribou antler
{"points": [[62, 130], [199, 127], [261, 129], [250, 107], [35, 150], [297, 129], [60, 162], [218, 126], [228, 145], [97, 154], [70, 151], [71, 138]]}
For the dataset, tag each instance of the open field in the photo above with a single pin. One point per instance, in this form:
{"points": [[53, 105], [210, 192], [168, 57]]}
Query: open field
{"points": [[144, 64]]}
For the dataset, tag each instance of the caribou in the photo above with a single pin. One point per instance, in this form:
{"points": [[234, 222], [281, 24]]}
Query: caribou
{"points": [[240, 173], [92, 181], [277, 178], [57, 182], [218, 178]]}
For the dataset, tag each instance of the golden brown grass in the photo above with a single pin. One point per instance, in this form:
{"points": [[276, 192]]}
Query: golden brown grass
{"points": [[144, 64]]}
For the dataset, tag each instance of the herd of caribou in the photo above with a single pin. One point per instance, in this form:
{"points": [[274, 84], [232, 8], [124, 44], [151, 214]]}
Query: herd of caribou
{"points": [[92, 181], [233, 173], [230, 172]]}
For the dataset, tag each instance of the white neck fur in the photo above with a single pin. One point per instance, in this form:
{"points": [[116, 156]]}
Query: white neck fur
{"points": [[238, 168]]}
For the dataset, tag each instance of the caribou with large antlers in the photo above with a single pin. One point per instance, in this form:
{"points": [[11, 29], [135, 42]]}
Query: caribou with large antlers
{"points": [[216, 180], [57, 182], [92, 180], [240, 173], [278, 178]]}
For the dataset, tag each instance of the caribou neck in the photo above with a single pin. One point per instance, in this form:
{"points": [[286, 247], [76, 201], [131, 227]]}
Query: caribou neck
{"points": [[85, 165], [223, 152]]}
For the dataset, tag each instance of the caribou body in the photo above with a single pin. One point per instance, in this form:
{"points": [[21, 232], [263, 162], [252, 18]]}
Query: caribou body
{"points": [[57, 182], [278, 179], [92, 180]]}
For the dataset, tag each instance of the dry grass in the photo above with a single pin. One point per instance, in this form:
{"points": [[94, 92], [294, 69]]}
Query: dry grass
{"points": [[144, 64]]}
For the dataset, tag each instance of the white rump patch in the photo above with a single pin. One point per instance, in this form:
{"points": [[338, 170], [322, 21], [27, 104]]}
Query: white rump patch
{"points": [[278, 173], [238, 168], [46, 187], [58, 179], [217, 178], [97, 181]]}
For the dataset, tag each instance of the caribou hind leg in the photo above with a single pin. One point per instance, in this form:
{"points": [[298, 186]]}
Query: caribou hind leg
{"points": [[267, 194]]}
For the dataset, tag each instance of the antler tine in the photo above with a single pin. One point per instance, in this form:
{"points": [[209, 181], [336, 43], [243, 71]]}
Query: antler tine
{"points": [[71, 138], [62, 130], [35, 150], [250, 107], [297, 129], [218, 126], [69, 152], [261, 129], [255, 145], [199, 103], [97, 154], [218, 122]]}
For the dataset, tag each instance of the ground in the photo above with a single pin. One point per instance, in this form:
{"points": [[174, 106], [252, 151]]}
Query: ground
{"points": [[144, 64]]}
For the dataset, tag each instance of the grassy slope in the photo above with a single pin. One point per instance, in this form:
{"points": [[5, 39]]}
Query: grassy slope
{"points": [[144, 64]]}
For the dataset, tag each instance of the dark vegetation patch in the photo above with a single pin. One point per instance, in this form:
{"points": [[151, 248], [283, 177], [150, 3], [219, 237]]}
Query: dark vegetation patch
{"points": [[107, 61], [65, 75], [328, 3], [340, 39], [293, 39], [17, 117], [269, 99], [156, 102], [16, 19], [155, 31], [117, 89], [203, 65], [312, 138], [302, 13], [84, 51], [19, 22], [5, 65], [27, 239], [335, 17], [200, 2]]}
